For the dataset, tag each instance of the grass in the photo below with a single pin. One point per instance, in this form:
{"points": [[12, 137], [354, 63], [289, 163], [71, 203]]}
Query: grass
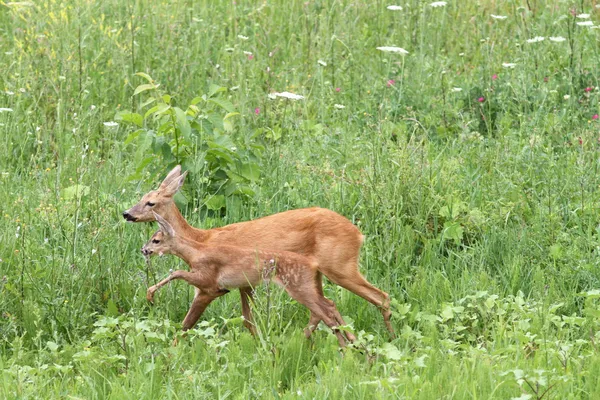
{"points": [[475, 183]]}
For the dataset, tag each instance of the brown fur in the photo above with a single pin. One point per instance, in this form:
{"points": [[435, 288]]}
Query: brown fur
{"points": [[332, 240], [216, 269]]}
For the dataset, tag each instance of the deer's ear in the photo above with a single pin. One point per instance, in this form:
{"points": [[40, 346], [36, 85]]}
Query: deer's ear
{"points": [[175, 172], [175, 185], [165, 227]]}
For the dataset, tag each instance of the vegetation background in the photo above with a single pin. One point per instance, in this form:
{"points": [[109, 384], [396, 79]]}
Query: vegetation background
{"points": [[469, 160]]}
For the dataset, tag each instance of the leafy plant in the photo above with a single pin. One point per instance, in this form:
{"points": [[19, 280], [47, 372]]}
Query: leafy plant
{"points": [[200, 137]]}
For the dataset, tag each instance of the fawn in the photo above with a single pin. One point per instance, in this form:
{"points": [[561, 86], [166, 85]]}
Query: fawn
{"points": [[215, 269], [331, 239]]}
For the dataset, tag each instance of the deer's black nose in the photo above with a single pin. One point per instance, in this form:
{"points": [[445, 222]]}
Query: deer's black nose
{"points": [[129, 217]]}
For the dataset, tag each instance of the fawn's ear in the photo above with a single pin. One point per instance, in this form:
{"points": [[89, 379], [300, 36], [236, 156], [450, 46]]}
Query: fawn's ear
{"points": [[165, 227], [175, 172], [174, 186]]}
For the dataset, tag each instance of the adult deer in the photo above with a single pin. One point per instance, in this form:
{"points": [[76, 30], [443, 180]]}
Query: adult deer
{"points": [[214, 269], [331, 239]]}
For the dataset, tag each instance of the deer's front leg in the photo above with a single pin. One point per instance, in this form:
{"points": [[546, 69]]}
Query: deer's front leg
{"points": [[199, 304], [192, 278], [246, 297]]}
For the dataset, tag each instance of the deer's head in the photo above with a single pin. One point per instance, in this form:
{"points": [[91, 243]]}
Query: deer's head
{"points": [[157, 201], [162, 241]]}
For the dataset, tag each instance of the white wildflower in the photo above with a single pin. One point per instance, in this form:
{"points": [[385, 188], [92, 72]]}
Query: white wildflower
{"points": [[2, 109], [243, 37], [62, 78], [94, 251], [92, 107], [499, 16], [509, 65], [229, 49], [248, 53], [217, 66], [339, 106], [461, 54], [322, 63], [585, 23], [557, 39], [536, 39], [10, 93], [566, 97], [391, 49], [22, 90], [233, 88], [438, 4], [272, 96], [457, 89], [45, 240], [394, 8], [583, 16], [288, 95], [111, 124]]}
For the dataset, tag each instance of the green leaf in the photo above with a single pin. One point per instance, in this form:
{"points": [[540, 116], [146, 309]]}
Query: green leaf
{"points": [[111, 308], [214, 89], [51, 346], [131, 137], [145, 76], [225, 104], [391, 352], [182, 122], [74, 191], [130, 117], [144, 87], [249, 170], [215, 202]]}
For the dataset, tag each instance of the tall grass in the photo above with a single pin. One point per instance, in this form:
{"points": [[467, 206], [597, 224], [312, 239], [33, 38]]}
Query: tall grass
{"points": [[475, 183]]}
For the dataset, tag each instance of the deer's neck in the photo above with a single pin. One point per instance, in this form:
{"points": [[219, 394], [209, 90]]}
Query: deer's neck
{"points": [[187, 250], [181, 226]]}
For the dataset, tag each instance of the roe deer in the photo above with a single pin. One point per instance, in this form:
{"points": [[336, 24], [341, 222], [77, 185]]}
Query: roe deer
{"points": [[214, 269], [331, 239]]}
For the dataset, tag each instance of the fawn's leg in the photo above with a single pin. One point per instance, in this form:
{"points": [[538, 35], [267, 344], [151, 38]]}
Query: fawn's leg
{"points": [[356, 283], [246, 297], [201, 301], [190, 277], [314, 320], [318, 306]]}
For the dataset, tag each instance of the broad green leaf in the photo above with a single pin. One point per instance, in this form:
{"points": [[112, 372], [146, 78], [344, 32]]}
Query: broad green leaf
{"points": [[215, 202], [131, 137], [130, 117], [145, 76], [74, 191], [249, 170], [214, 89], [390, 351], [144, 87], [182, 122], [225, 104]]}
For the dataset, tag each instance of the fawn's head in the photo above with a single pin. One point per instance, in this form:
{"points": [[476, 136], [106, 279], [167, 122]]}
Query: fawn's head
{"points": [[162, 241], [157, 201]]}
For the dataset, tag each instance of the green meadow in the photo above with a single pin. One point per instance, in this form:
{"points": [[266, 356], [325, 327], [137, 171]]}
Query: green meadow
{"points": [[466, 149]]}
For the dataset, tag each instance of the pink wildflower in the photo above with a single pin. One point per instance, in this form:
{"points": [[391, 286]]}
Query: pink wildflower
{"points": [[391, 82], [256, 111], [595, 116], [589, 89], [494, 77], [250, 56], [337, 89], [481, 99]]}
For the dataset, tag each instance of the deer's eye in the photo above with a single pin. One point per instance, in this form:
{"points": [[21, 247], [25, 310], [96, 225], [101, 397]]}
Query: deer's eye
{"points": [[150, 204], [155, 241]]}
